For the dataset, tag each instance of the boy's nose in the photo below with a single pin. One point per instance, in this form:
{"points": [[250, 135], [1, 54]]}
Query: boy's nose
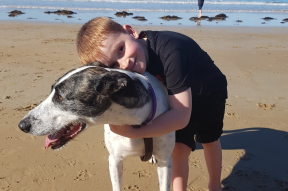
{"points": [[124, 64]]}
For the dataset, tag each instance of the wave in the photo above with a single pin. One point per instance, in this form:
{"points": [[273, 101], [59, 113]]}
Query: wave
{"points": [[272, 3], [193, 2], [138, 10]]}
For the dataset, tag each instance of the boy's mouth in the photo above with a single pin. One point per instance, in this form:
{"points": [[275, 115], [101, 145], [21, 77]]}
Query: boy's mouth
{"points": [[131, 69]]}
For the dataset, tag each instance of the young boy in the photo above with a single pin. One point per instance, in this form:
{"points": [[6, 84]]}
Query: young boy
{"points": [[197, 89]]}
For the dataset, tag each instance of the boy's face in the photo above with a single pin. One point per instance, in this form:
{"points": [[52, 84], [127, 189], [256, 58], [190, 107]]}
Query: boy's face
{"points": [[125, 51]]}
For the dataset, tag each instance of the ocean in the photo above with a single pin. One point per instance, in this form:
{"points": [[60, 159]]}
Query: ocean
{"points": [[251, 13]]}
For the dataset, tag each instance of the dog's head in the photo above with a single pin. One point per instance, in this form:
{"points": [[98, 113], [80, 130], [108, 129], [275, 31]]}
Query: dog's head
{"points": [[87, 95]]}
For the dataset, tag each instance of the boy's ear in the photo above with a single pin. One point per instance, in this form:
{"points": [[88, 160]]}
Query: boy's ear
{"points": [[131, 31]]}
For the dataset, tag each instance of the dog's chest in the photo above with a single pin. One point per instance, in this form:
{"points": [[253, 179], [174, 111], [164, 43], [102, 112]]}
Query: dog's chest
{"points": [[122, 146]]}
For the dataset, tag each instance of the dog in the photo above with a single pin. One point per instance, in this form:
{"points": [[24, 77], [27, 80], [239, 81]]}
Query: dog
{"points": [[92, 95]]}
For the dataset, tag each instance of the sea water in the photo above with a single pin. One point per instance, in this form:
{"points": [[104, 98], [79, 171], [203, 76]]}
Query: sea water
{"points": [[251, 13]]}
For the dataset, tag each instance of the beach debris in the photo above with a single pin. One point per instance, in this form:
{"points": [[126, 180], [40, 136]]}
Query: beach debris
{"points": [[204, 17], [31, 18], [265, 106], [218, 17], [286, 20], [197, 18], [268, 18], [213, 19], [7, 97], [15, 13], [221, 16], [61, 12], [140, 18], [239, 21], [27, 108], [169, 18], [123, 14], [194, 19]]}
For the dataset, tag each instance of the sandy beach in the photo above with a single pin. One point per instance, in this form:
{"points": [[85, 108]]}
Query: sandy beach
{"points": [[255, 139]]}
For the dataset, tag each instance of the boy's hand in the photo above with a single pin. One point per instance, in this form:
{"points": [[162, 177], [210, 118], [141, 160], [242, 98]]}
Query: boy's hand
{"points": [[123, 130]]}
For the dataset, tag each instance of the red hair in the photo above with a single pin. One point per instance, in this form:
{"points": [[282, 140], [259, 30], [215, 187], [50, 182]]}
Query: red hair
{"points": [[91, 36]]}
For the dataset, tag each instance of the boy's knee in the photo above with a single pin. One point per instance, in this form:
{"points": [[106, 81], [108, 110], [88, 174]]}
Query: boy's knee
{"points": [[212, 144], [181, 151]]}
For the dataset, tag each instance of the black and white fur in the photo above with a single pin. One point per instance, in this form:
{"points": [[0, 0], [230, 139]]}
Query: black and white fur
{"points": [[93, 95]]}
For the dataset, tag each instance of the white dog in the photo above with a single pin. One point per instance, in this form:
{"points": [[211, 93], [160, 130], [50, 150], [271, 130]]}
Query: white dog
{"points": [[93, 95]]}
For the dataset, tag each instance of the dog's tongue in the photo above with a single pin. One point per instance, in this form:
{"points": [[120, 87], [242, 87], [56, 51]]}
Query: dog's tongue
{"points": [[49, 140], [63, 132]]}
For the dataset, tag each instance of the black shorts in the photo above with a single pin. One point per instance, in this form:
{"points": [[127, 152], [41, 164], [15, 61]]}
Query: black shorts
{"points": [[206, 121]]}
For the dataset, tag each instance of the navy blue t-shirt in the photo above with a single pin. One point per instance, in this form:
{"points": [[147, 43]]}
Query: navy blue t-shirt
{"points": [[181, 63]]}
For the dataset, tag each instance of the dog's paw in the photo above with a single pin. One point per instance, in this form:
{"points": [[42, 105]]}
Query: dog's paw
{"points": [[152, 160]]}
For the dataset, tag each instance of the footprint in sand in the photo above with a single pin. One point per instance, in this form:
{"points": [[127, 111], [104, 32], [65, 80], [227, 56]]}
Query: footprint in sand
{"points": [[71, 162], [228, 114], [189, 188], [227, 168], [265, 106], [103, 144], [142, 173], [228, 105], [241, 155], [195, 162], [83, 175], [27, 108], [132, 188]]}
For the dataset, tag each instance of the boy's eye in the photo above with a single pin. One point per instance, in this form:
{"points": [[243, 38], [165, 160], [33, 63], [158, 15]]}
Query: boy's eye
{"points": [[121, 50]]}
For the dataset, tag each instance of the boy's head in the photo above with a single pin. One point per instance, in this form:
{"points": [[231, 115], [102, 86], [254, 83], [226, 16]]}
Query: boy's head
{"points": [[115, 46], [91, 36]]}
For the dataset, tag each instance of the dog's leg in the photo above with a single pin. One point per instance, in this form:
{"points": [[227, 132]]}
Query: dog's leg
{"points": [[116, 172], [164, 169]]}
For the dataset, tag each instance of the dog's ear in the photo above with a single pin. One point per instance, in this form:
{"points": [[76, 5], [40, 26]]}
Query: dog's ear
{"points": [[96, 63], [122, 82], [108, 87]]}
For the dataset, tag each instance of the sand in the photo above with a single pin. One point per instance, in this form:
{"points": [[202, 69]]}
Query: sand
{"points": [[255, 139]]}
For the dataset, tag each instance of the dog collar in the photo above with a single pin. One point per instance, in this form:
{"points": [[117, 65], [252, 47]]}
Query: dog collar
{"points": [[154, 102]]}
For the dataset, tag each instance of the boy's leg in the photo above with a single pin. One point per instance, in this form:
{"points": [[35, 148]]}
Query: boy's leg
{"points": [[180, 166], [213, 157]]}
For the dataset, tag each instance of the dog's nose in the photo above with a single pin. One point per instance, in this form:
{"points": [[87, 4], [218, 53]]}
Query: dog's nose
{"points": [[25, 125]]}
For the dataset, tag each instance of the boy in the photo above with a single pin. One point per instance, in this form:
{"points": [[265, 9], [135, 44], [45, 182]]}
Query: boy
{"points": [[197, 89]]}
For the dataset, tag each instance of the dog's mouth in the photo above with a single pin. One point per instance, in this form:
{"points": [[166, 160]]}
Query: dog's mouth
{"points": [[64, 135]]}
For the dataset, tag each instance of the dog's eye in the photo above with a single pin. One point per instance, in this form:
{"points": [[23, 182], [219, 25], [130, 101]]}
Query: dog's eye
{"points": [[60, 98]]}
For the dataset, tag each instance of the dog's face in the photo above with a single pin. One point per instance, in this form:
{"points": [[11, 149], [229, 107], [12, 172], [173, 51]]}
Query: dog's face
{"points": [[86, 95]]}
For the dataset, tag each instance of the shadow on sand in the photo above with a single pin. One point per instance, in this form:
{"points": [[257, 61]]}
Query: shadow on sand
{"points": [[264, 162]]}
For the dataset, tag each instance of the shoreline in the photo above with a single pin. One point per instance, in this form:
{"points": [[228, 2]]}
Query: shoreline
{"points": [[254, 59], [249, 19]]}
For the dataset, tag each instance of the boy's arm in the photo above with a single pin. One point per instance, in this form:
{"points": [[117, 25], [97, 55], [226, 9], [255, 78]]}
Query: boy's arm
{"points": [[177, 117]]}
